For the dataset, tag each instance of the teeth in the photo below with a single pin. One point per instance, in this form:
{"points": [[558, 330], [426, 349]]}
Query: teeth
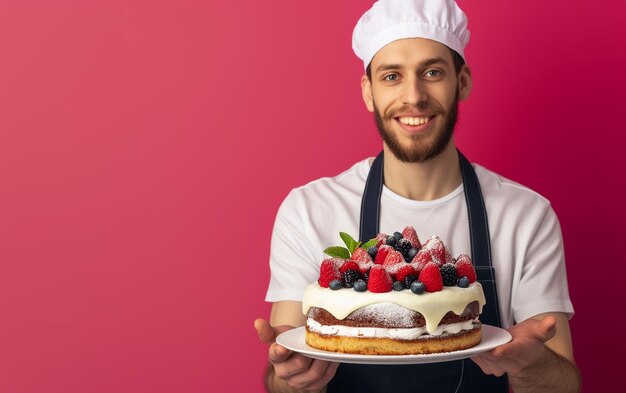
{"points": [[413, 121]]}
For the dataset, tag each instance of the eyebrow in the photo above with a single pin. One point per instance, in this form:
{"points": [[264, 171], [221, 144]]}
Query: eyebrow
{"points": [[425, 63]]}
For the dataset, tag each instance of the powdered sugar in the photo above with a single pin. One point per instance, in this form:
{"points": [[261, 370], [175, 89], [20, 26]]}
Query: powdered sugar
{"points": [[387, 313]]}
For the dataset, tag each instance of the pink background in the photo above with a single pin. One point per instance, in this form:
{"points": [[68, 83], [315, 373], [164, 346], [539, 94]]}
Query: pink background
{"points": [[146, 145]]}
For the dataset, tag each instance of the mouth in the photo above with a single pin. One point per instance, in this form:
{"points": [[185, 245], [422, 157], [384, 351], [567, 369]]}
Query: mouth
{"points": [[414, 124]]}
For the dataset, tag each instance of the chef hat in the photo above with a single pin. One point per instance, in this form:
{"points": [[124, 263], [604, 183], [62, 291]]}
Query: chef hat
{"points": [[389, 20]]}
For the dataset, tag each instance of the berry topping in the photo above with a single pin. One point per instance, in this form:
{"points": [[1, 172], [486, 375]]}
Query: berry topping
{"points": [[348, 265], [398, 286], [328, 273], [391, 241], [437, 250], [379, 280], [350, 277], [381, 239], [431, 277], [360, 286], [360, 255], [397, 235], [465, 268], [335, 285], [408, 280], [404, 271], [372, 251], [463, 282], [410, 234], [418, 287], [403, 246], [411, 254], [448, 274], [393, 261], [423, 256], [382, 254]]}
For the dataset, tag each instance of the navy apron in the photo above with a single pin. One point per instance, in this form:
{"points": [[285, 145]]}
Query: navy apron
{"points": [[455, 376]]}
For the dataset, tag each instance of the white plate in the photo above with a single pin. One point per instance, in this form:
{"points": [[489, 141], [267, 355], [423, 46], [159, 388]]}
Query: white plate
{"points": [[491, 337]]}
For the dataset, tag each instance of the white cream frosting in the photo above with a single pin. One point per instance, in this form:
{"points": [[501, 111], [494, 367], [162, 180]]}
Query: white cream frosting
{"points": [[399, 334], [432, 305]]}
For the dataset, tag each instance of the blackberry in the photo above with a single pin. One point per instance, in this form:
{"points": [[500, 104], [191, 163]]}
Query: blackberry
{"points": [[403, 246], [366, 276], [335, 285], [408, 280], [448, 273], [411, 254], [391, 241], [398, 286], [418, 287], [350, 277], [360, 286], [372, 251], [463, 282]]}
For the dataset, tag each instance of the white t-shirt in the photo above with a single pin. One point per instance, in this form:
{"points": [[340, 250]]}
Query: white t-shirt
{"points": [[526, 240]]}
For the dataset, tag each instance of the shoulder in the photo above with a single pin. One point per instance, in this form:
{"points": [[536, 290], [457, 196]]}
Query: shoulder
{"points": [[500, 190]]}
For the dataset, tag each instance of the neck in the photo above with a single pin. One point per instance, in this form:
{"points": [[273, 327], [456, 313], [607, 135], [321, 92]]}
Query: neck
{"points": [[423, 181]]}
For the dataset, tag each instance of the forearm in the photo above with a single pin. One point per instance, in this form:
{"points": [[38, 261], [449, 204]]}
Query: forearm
{"points": [[552, 373], [273, 384]]}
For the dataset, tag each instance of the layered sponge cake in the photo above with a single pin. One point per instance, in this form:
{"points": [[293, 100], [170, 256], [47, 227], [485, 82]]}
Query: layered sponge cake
{"points": [[394, 296]]}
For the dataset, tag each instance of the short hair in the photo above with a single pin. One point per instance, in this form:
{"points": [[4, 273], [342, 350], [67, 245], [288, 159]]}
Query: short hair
{"points": [[456, 59]]}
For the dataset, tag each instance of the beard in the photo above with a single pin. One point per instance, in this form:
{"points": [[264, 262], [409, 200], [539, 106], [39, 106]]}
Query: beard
{"points": [[420, 149]]}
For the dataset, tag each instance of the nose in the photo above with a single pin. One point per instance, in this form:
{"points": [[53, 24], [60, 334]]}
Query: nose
{"points": [[414, 92]]}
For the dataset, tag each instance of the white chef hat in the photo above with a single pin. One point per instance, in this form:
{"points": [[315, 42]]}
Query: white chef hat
{"points": [[389, 20]]}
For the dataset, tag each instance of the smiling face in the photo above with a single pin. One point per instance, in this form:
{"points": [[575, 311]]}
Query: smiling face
{"points": [[414, 92]]}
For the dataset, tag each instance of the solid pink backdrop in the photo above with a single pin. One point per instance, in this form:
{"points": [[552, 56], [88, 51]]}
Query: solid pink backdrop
{"points": [[146, 145]]}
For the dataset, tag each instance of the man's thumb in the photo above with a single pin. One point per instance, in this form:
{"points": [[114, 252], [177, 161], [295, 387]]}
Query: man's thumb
{"points": [[265, 331]]}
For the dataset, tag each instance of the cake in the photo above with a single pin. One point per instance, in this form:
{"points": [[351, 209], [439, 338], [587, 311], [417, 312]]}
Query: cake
{"points": [[393, 296]]}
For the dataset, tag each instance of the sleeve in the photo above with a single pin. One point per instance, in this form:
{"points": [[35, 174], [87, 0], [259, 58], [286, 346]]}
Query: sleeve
{"points": [[543, 285], [293, 259]]}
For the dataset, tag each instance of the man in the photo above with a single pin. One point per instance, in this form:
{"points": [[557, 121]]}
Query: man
{"points": [[415, 76]]}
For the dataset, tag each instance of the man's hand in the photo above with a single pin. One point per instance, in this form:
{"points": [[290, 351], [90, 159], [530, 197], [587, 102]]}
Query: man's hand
{"points": [[298, 371], [524, 350], [531, 365]]}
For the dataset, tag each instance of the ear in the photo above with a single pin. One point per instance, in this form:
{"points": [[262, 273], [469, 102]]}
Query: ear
{"points": [[366, 91], [465, 82]]}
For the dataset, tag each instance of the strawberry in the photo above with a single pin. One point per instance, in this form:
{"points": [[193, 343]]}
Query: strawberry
{"points": [[393, 261], [365, 266], [381, 239], [379, 280], [404, 271], [423, 256], [382, 254], [328, 272], [361, 255], [349, 265], [431, 277], [436, 248], [410, 234], [465, 268]]}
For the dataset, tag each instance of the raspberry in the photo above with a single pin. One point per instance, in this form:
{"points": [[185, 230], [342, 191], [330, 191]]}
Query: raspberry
{"points": [[465, 268], [328, 272], [381, 239], [379, 280], [431, 277], [410, 234], [448, 274], [436, 248]]}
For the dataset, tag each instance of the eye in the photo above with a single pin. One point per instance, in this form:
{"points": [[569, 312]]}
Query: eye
{"points": [[391, 77], [433, 73]]}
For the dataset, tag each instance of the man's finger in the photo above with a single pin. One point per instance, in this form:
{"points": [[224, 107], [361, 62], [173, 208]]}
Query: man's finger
{"points": [[265, 330], [278, 353]]}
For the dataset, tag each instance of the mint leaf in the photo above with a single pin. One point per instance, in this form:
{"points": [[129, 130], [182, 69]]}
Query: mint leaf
{"points": [[349, 241], [369, 243], [337, 252]]}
